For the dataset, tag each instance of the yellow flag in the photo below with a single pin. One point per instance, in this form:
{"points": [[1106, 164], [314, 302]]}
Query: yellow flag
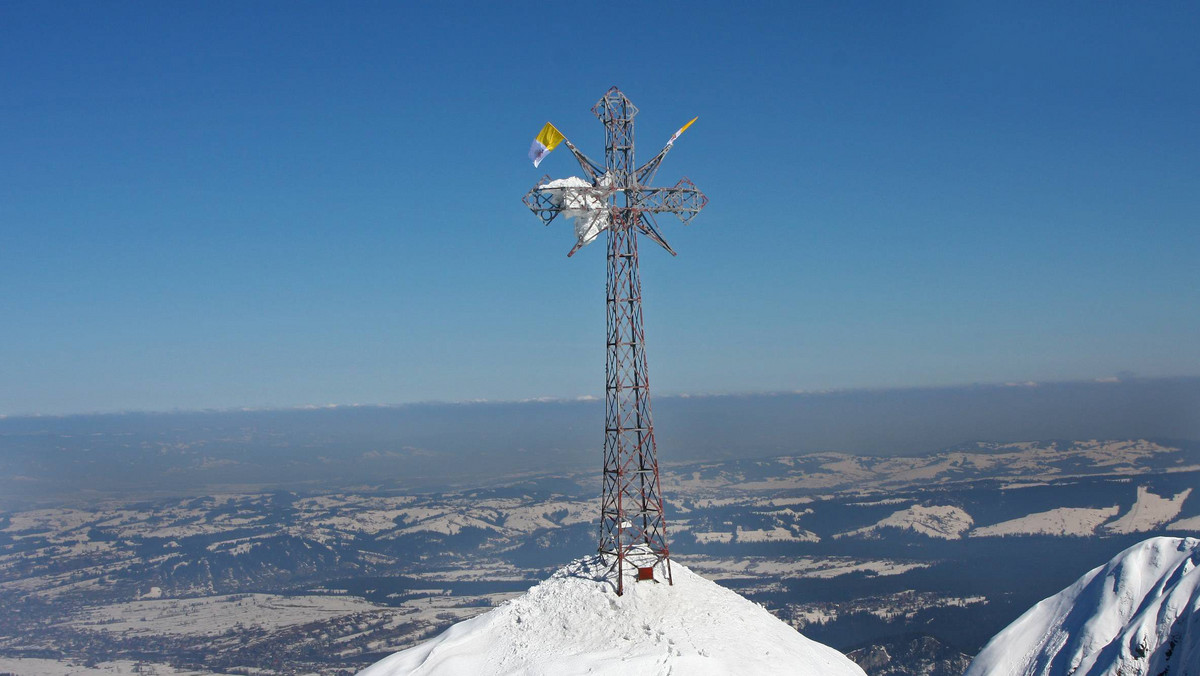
{"points": [[547, 139], [681, 130]]}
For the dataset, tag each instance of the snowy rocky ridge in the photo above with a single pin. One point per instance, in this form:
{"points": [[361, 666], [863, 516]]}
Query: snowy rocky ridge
{"points": [[1137, 614], [574, 623]]}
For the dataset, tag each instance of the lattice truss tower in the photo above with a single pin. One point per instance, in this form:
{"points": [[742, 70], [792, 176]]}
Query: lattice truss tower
{"points": [[615, 197]]}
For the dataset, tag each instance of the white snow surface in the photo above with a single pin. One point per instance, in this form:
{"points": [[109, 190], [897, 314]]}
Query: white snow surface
{"points": [[1061, 521], [939, 521], [1190, 523], [1138, 614], [583, 202], [574, 623], [1148, 512]]}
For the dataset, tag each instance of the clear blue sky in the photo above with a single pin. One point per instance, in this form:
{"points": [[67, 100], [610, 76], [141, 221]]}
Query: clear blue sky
{"points": [[274, 204]]}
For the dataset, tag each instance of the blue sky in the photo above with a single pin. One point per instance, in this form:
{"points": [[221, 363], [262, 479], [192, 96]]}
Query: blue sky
{"points": [[215, 205]]}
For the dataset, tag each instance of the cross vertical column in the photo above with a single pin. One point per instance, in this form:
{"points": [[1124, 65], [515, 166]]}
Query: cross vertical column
{"points": [[633, 530], [632, 527]]}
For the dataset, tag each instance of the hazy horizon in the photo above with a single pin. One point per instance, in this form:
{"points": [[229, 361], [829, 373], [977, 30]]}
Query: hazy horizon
{"points": [[438, 443], [307, 406]]}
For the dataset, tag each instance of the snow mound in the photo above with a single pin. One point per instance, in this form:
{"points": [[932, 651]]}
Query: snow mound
{"points": [[1137, 614], [574, 623]]}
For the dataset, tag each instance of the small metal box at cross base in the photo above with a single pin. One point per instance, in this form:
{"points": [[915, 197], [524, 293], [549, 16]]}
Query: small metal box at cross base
{"points": [[646, 573]]}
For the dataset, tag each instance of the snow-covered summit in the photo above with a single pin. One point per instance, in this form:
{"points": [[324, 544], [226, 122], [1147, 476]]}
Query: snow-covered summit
{"points": [[574, 623], [1137, 614]]}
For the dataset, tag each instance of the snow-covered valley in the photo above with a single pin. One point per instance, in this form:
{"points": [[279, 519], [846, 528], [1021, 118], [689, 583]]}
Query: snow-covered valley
{"points": [[851, 551]]}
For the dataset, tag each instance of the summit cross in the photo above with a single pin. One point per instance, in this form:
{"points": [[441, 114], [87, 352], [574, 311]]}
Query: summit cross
{"points": [[633, 527]]}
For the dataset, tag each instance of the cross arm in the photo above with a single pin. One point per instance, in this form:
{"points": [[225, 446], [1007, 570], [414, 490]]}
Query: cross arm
{"points": [[647, 226], [586, 163], [684, 200], [646, 172], [541, 201]]}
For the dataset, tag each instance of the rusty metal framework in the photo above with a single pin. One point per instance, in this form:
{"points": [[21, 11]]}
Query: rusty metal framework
{"points": [[633, 527]]}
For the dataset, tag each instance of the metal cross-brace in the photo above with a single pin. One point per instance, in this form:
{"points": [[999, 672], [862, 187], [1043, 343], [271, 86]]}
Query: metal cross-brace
{"points": [[633, 527], [684, 200]]}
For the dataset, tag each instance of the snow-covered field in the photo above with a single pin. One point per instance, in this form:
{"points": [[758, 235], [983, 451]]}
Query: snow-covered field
{"points": [[796, 568], [944, 521], [709, 537], [776, 534], [32, 666], [906, 604], [1148, 512], [1020, 463], [1192, 524], [218, 614], [1076, 521]]}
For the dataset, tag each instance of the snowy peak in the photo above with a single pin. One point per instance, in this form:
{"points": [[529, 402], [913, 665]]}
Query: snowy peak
{"points": [[1138, 614], [574, 623]]}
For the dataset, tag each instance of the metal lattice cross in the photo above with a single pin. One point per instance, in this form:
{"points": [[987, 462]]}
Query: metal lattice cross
{"points": [[633, 528]]}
